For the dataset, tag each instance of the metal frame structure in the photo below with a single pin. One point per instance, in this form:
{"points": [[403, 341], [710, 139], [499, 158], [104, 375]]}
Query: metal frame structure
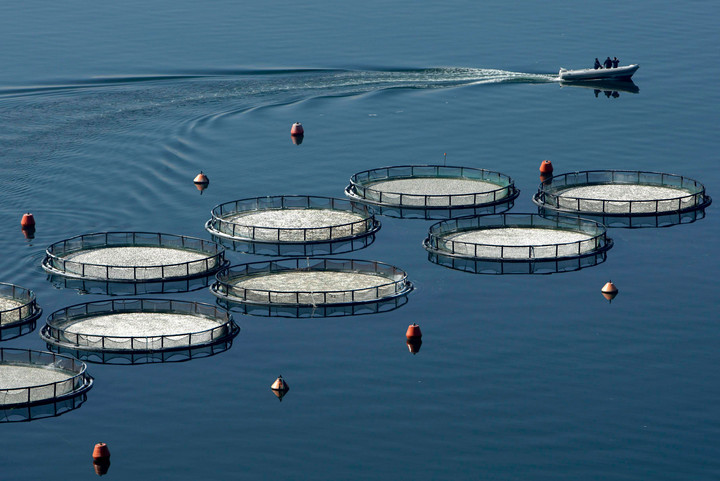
{"points": [[75, 385], [361, 191], [437, 241], [225, 288], [26, 313], [550, 196], [55, 263], [54, 332], [220, 226]]}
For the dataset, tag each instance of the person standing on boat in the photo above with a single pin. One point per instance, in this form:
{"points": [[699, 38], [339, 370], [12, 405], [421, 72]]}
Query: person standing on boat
{"points": [[597, 63], [615, 62], [608, 63]]}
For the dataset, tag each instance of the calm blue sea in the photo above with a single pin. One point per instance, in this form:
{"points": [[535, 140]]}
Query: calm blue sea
{"points": [[109, 109]]}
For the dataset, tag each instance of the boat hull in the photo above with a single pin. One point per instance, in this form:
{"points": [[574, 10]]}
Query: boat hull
{"points": [[618, 73]]}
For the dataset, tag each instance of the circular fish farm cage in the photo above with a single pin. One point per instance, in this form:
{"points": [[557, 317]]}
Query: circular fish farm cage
{"points": [[315, 283], [134, 257], [517, 238], [18, 311], [30, 378], [138, 326], [621, 193], [431, 187], [293, 225]]}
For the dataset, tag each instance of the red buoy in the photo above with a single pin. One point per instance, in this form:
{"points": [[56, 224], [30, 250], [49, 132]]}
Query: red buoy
{"points": [[101, 451], [413, 331], [27, 221], [297, 129], [546, 167]]}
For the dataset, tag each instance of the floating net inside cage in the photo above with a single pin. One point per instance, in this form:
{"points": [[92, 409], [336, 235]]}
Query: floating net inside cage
{"points": [[18, 307], [134, 257], [291, 219], [517, 238], [313, 282], [621, 193], [30, 377], [431, 187], [138, 325]]}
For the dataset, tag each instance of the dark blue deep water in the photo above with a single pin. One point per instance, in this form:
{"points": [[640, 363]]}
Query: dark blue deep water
{"points": [[109, 109]]}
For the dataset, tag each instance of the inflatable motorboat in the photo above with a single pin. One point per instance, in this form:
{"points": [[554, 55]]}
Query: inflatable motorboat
{"points": [[618, 73]]}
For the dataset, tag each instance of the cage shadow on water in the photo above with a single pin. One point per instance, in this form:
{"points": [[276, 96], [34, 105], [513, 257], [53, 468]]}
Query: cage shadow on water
{"points": [[111, 288], [40, 411], [542, 267], [296, 249]]}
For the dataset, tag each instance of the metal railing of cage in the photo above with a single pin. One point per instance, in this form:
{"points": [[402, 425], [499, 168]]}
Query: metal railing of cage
{"points": [[505, 193], [598, 240], [79, 383], [226, 279], [55, 262], [54, 333], [27, 311], [221, 226], [550, 193]]}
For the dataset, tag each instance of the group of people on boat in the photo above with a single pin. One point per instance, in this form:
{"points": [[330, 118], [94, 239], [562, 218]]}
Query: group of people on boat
{"points": [[607, 63]]}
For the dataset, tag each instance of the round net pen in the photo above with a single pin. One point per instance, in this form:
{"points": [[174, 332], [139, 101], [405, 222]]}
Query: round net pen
{"points": [[138, 326], [133, 257], [293, 225], [18, 311], [431, 187], [622, 193], [29, 378], [517, 238], [313, 283]]}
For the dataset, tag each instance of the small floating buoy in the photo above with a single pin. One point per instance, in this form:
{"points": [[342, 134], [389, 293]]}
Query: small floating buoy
{"points": [[28, 221], [201, 179], [297, 129], [280, 387], [546, 167], [609, 291], [101, 451], [414, 345], [413, 331]]}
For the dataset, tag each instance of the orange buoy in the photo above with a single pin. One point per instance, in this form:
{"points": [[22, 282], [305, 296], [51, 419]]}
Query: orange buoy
{"points": [[546, 167], [27, 221], [413, 331], [297, 129], [414, 345], [609, 291], [201, 179], [101, 451]]}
